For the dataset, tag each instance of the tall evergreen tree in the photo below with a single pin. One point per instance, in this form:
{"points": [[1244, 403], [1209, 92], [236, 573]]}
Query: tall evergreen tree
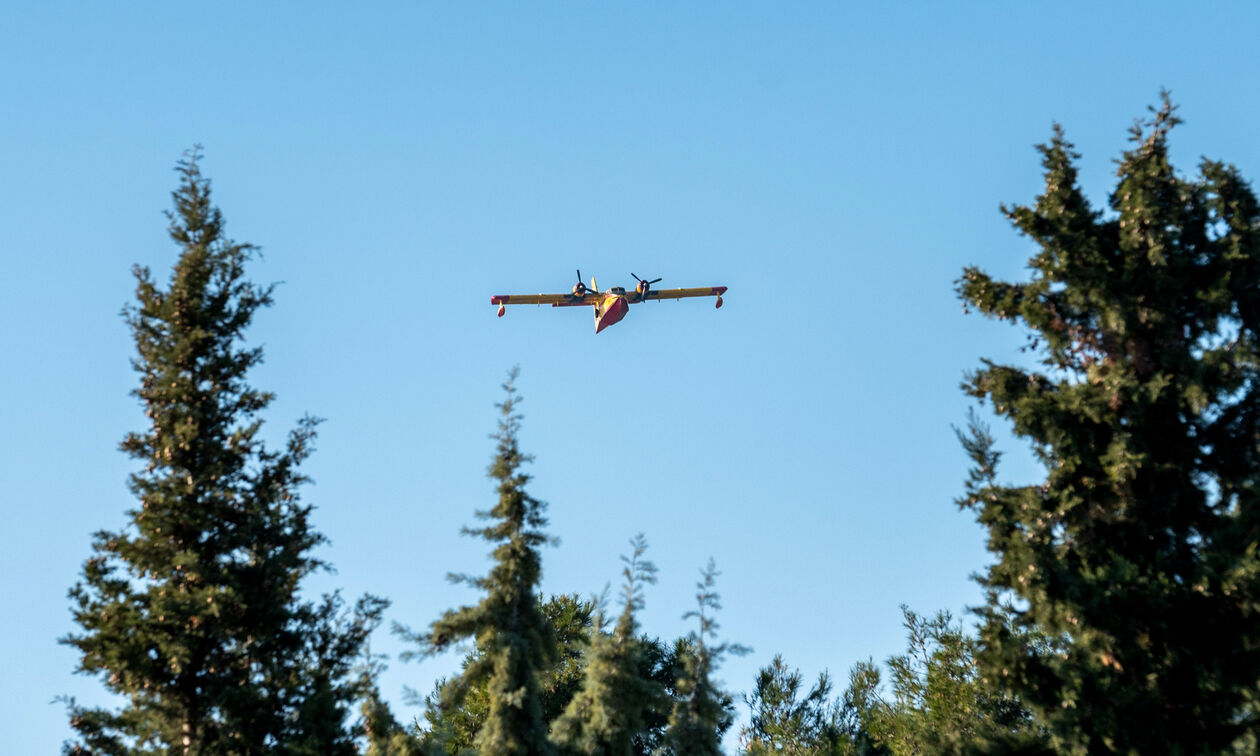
{"points": [[453, 729], [702, 711], [513, 639], [192, 612], [611, 713], [1138, 550]]}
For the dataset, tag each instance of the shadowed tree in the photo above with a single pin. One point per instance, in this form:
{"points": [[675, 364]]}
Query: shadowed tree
{"points": [[702, 711], [612, 711], [192, 613], [1137, 552], [513, 640], [453, 729]]}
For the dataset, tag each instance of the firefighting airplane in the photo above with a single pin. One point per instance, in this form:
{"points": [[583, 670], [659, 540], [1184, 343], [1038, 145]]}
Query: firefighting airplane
{"points": [[612, 305]]}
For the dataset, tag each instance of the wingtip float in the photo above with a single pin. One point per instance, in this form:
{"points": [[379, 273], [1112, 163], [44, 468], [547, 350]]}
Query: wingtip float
{"points": [[611, 305]]}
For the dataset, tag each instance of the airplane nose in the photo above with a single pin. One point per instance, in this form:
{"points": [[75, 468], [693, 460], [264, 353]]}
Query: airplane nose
{"points": [[612, 314]]}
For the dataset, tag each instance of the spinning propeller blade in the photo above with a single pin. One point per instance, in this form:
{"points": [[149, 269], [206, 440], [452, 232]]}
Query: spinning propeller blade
{"points": [[579, 288], [644, 286]]}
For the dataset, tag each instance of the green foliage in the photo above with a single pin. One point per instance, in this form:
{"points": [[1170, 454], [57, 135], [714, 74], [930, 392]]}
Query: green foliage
{"points": [[514, 642], [453, 728], [858, 708], [1136, 554], [939, 703], [611, 712], [702, 711], [782, 722], [384, 736], [192, 612]]}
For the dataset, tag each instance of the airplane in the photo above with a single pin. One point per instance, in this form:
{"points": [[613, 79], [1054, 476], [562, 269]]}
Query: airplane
{"points": [[612, 305]]}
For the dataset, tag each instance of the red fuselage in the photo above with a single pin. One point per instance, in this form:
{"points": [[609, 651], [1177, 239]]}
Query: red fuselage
{"points": [[611, 310]]}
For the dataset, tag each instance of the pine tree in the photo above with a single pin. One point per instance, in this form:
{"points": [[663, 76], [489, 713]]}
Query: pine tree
{"points": [[702, 711], [611, 713], [939, 702], [783, 722], [1137, 553], [859, 707], [513, 639], [192, 612]]}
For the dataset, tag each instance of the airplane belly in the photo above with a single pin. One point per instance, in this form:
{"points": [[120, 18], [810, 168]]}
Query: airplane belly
{"points": [[615, 308]]}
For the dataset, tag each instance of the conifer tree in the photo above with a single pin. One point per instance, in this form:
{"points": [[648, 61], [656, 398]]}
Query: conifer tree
{"points": [[1137, 553], [191, 613], [453, 729], [702, 711], [858, 707], [783, 722], [513, 639], [939, 703], [611, 713], [384, 736]]}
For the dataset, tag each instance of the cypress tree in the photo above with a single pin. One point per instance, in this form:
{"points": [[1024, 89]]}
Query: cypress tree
{"points": [[514, 641], [191, 613], [611, 712], [702, 711], [1136, 555]]}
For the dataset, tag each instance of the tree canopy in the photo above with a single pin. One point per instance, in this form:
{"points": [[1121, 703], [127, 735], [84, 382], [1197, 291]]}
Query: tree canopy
{"points": [[1120, 605], [1136, 555], [192, 612], [514, 641]]}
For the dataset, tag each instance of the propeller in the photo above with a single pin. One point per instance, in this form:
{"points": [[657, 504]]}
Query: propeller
{"points": [[643, 287], [579, 288]]}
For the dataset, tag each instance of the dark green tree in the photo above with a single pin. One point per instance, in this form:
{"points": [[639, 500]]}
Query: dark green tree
{"points": [[513, 640], [1137, 552], [612, 711], [702, 712], [452, 729], [192, 612]]}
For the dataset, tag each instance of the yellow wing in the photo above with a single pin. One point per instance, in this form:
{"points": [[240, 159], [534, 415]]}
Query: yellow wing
{"points": [[555, 300], [703, 291]]}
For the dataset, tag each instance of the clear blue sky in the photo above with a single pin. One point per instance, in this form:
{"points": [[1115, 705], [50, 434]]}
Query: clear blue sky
{"points": [[836, 166]]}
